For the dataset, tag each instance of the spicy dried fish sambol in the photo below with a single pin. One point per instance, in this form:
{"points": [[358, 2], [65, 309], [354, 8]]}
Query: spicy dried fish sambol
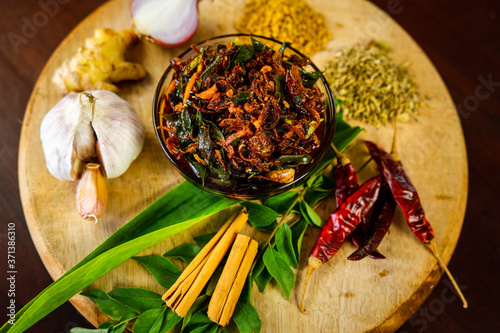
{"points": [[243, 114]]}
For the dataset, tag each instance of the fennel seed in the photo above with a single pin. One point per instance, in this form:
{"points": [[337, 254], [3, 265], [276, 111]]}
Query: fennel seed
{"points": [[371, 86]]}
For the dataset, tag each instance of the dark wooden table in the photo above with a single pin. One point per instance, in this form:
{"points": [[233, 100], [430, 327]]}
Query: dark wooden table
{"points": [[462, 38]]}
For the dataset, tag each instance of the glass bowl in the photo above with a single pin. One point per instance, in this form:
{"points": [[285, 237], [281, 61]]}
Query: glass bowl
{"points": [[255, 193]]}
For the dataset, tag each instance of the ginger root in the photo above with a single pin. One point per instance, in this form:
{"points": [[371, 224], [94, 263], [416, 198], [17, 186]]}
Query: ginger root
{"points": [[99, 64]]}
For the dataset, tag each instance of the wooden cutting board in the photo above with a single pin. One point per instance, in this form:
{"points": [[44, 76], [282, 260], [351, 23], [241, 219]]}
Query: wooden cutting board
{"points": [[343, 296]]}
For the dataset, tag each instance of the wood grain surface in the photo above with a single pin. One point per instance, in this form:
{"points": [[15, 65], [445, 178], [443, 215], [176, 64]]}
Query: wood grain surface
{"points": [[346, 318]]}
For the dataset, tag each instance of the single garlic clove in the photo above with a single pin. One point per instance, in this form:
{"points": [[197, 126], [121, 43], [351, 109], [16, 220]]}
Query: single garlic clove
{"points": [[84, 138], [91, 193], [119, 133]]}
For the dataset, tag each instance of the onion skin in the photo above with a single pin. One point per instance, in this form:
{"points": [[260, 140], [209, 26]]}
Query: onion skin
{"points": [[155, 39]]}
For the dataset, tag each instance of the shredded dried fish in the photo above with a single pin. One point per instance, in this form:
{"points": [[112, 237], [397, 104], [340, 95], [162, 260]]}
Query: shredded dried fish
{"points": [[371, 86]]}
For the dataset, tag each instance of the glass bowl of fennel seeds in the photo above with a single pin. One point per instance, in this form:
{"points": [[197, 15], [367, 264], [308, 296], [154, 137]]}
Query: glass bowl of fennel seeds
{"points": [[241, 120]]}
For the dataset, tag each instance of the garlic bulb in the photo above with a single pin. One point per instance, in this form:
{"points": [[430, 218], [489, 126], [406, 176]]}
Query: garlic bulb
{"points": [[87, 126]]}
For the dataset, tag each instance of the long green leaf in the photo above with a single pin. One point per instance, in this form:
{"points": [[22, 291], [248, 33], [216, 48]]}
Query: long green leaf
{"points": [[170, 214]]}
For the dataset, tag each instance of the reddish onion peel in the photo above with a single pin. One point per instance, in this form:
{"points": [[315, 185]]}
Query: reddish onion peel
{"points": [[169, 23]]}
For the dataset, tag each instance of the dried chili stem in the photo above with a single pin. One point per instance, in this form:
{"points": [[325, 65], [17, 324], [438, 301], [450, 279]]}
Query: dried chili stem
{"points": [[341, 158], [393, 148], [432, 247]]}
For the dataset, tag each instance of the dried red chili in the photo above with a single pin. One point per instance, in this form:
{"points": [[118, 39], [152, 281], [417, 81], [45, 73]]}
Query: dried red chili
{"points": [[341, 224], [403, 191], [346, 182], [383, 213], [407, 198]]}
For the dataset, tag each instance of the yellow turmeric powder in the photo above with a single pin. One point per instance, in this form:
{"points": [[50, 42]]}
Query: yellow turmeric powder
{"points": [[293, 21]]}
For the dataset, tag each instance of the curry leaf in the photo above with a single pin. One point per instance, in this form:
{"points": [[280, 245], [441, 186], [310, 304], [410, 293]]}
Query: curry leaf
{"points": [[215, 132], [156, 321], [183, 126], [213, 281], [258, 267], [298, 230], [204, 239], [247, 318], [109, 306], [186, 252], [261, 217], [150, 321], [240, 98], [278, 86], [112, 326], [137, 299], [279, 270], [162, 269], [244, 54], [310, 215], [284, 245], [118, 328], [281, 202], [263, 279], [208, 328], [312, 195], [198, 319], [177, 95], [309, 78], [199, 170], [258, 46], [210, 69], [195, 307], [87, 330]]}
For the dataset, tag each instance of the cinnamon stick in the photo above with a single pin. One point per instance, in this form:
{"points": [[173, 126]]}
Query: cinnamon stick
{"points": [[181, 296], [233, 277]]}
